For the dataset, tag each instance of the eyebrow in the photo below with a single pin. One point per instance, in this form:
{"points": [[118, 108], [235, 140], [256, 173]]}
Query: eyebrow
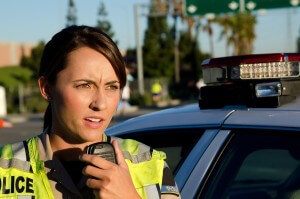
{"points": [[112, 82], [93, 82], [85, 80]]}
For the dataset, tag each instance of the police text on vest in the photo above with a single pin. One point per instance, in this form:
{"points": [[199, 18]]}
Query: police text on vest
{"points": [[16, 184]]}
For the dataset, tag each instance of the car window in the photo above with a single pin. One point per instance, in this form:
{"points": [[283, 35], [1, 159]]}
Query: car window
{"points": [[176, 143], [256, 165]]}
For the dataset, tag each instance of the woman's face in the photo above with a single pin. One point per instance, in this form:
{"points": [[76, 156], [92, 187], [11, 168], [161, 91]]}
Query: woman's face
{"points": [[84, 97]]}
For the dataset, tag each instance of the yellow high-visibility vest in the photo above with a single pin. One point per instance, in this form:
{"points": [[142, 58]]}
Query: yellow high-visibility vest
{"points": [[156, 88], [22, 173]]}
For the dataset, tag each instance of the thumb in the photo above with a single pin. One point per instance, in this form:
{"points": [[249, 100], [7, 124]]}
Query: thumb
{"points": [[119, 154]]}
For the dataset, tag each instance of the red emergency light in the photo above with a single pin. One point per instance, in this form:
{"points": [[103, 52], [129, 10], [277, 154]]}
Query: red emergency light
{"points": [[251, 67], [258, 80]]}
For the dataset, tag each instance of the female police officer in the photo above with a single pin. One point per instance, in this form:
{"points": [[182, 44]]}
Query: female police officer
{"points": [[81, 76]]}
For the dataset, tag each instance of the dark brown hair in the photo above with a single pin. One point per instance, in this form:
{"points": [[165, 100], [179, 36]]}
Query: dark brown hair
{"points": [[69, 39]]}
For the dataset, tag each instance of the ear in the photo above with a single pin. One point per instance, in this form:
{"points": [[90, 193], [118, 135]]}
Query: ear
{"points": [[44, 87]]}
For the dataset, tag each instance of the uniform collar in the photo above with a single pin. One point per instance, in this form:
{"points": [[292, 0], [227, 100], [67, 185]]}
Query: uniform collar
{"points": [[56, 170]]}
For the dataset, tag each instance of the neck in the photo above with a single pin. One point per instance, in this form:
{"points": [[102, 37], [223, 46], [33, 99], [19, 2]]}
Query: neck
{"points": [[65, 150]]}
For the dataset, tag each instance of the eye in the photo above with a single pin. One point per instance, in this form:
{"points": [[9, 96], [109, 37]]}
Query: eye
{"points": [[113, 87], [85, 85]]}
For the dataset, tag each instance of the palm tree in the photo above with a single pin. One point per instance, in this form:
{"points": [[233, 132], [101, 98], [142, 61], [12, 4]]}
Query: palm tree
{"points": [[243, 33], [225, 21], [239, 30], [160, 6], [209, 30]]}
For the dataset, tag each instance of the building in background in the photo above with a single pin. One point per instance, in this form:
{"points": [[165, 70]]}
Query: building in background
{"points": [[11, 52]]}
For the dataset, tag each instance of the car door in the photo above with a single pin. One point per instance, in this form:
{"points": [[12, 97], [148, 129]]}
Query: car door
{"points": [[252, 163]]}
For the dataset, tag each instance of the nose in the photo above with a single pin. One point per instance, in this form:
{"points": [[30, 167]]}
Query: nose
{"points": [[98, 102]]}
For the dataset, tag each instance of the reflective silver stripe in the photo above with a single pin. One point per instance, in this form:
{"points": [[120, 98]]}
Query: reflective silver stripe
{"points": [[152, 192], [19, 151], [15, 163], [143, 148], [137, 158], [143, 155], [127, 155], [25, 197]]}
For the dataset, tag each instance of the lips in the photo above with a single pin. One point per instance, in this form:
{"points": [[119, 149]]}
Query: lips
{"points": [[93, 119], [93, 122]]}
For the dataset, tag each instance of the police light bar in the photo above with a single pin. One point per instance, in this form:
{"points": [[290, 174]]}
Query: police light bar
{"points": [[261, 80], [251, 67]]}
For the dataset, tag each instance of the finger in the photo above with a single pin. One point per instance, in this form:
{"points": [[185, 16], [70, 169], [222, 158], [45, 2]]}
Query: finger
{"points": [[96, 173], [96, 161], [119, 154], [94, 183]]}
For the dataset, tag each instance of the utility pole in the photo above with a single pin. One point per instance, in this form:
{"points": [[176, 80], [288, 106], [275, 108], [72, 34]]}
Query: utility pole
{"points": [[242, 6], [21, 98], [139, 51], [176, 52], [298, 43]]}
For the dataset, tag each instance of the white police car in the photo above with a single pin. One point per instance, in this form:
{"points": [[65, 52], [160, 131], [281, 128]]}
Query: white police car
{"points": [[243, 141]]}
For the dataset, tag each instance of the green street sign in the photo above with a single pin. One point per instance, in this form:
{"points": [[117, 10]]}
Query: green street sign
{"points": [[202, 7]]}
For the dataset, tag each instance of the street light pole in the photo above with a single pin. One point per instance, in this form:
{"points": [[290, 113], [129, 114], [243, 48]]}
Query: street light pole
{"points": [[176, 52], [242, 6], [139, 51]]}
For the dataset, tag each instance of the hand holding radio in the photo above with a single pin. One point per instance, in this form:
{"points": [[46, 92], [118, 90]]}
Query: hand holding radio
{"points": [[108, 179], [104, 150]]}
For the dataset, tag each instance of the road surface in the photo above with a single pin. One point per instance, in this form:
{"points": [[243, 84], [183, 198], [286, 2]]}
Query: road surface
{"points": [[25, 126]]}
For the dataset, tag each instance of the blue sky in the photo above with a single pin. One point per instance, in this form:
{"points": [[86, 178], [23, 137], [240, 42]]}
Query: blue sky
{"points": [[36, 20]]}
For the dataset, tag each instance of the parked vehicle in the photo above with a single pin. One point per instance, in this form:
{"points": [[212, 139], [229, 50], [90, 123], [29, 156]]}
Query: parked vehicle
{"points": [[242, 140]]}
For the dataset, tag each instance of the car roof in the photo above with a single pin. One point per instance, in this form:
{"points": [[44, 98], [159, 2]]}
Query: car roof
{"points": [[285, 116], [190, 116], [178, 117], [264, 119]]}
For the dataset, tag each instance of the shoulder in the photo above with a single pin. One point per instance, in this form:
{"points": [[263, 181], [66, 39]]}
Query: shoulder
{"points": [[9, 150], [131, 145], [17, 150], [15, 155], [137, 151]]}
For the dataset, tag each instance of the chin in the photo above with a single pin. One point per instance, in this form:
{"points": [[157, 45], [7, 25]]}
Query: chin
{"points": [[92, 137]]}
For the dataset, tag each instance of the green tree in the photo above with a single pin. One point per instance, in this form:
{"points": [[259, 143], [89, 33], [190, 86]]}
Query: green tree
{"points": [[12, 76], [71, 16], [102, 21], [158, 49], [32, 61], [190, 64], [190, 57]]}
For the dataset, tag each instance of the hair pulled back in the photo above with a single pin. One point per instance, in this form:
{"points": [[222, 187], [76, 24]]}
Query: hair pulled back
{"points": [[56, 51]]}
